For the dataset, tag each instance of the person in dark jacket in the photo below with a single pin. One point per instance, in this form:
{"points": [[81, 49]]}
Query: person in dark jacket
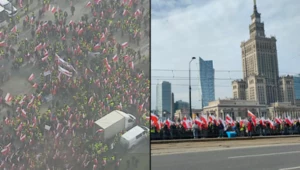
{"points": [[221, 130]]}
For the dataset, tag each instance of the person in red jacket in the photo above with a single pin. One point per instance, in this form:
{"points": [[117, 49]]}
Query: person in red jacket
{"points": [[250, 128]]}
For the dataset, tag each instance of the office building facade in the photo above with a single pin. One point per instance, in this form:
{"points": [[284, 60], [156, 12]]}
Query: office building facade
{"points": [[207, 81], [164, 98]]}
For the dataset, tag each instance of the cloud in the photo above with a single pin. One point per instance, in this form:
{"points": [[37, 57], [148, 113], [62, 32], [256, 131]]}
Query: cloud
{"points": [[214, 31]]}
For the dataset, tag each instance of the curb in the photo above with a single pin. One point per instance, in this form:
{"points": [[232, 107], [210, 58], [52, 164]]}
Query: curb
{"points": [[221, 139]]}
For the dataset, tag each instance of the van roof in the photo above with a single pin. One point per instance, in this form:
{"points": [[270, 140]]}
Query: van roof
{"points": [[110, 119], [4, 2], [132, 133]]}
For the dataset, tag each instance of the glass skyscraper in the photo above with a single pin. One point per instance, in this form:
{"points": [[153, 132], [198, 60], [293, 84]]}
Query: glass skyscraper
{"points": [[164, 98], [297, 86], [207, 81]]}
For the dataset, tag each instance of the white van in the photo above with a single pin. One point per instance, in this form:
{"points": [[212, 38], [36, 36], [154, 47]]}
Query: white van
{"points": [[3, 17], [9, 8], [134, 136]]}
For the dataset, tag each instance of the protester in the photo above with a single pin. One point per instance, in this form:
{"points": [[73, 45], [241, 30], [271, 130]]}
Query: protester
{"points": [[87, 73], [245, 127]]}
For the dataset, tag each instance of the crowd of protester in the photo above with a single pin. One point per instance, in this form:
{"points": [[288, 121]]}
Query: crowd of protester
{"points": [[212, 127], [85, 75]]}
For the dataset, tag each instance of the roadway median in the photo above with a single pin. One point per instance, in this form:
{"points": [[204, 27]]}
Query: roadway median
{"points": [[221, 139]]}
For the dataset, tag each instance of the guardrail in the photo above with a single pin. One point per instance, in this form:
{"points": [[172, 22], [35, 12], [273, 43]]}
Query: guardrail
{"points": [[221, 139]]}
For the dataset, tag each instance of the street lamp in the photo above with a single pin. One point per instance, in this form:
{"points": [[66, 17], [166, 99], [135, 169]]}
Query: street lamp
{"points": [[190, 87]]}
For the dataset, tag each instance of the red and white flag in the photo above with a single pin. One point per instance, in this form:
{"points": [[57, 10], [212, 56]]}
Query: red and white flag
{"points": [[3, 44], [125, 12], [204, 120], [38, 47], [115, 58], [53, 10], [22, 138], [229, 119], [153, 117], [31, 77], [89, 4], [97, 47], [278, 120], [14, 29], [131, 65], [64, 71], [35, 85], [21, 3], [124, 45], [8, 97], [253, 117]]}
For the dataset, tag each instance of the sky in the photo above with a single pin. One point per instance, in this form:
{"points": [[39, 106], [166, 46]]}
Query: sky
{"points": [[214, 30]]}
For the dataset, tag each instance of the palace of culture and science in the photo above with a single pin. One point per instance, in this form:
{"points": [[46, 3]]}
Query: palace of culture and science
{"points": [[261, 90]]}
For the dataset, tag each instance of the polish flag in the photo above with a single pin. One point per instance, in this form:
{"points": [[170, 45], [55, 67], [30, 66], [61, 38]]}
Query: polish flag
{"points": [[113, 15], [20, 126], [80, 31], [108, 96], [89, 4], [35, 85], [102, 39], [3, 44], [14, 29], [38, 47], [271, 123], [211, 118], [97, 1], [115, 58], [168, 122], [8, 97], [253, 117], [100, 130], [21, 3], [229, 120], [64, 71], [198, 121], [71, 22], [153, 117], [137, 13], [97, 47], [22, 138], [126, 58], [124, 45], [45, 58], [262, 121], [204, 120], [31, 77], [91, 100], [186, 124], [278, 120], [131, 65], [38, 30], [221, 121], [125, 12], [289, 121], [53, 10], [24, 114], [63, 38], [4, 151]]}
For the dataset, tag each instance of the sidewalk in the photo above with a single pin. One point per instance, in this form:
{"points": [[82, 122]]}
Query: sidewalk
{"points": [[221, 139]]}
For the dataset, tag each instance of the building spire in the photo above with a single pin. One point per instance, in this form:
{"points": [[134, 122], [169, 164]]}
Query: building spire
{"points": [[255, 7]]}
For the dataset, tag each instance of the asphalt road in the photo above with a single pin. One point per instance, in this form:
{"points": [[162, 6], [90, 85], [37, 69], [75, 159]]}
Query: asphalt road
{"points": [[142, 153], [284, 157]]}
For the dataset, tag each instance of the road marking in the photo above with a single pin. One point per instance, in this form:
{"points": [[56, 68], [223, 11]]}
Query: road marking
{"points": [[212, 149], [292, 168], [268, 154]]}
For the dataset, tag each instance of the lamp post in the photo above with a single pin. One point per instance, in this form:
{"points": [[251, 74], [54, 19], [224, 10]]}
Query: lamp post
{"points": [[190, 87]]}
